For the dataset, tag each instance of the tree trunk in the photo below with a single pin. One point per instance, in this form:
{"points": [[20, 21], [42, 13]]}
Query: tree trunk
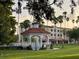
{"points": [[61, 37]]}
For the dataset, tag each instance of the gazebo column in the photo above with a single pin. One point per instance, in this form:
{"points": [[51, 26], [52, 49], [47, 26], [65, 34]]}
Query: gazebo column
{"points": [[48, 44], [56, 41], [29, 41], [41, 43], [22, 41]]}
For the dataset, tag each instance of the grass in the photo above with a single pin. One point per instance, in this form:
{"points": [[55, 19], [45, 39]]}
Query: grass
{"points": [[68, 52]]}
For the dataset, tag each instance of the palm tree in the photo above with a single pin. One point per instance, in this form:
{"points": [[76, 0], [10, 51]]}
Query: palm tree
{"points": [[73, 21], [67, 19], [64, 14], [18, 11], [77, 21], [60, 19], [55, 21]]}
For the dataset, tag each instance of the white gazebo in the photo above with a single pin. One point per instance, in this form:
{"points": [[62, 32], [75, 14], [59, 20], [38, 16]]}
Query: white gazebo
{"points": [[36, 36]]}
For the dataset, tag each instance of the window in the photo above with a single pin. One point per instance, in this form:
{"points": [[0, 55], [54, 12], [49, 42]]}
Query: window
{"points": [[58, 34], [54, 34], [54, 30], [61, 31], [61, 35], [51, 34], [51, 30], [58, 30]]}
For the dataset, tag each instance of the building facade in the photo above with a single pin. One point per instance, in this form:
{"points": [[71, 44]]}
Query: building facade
{"points": [[57, 34]]}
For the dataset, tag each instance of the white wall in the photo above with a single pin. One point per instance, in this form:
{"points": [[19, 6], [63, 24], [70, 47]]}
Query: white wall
{"points": [[57, 32]]}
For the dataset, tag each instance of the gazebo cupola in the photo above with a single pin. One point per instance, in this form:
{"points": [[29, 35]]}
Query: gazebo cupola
{"points": [[35, 25]]}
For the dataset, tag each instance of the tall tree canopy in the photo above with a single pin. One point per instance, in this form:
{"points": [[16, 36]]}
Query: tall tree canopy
{"points": [[74, 34], [40, 9], [7, 22], [43, 8]]}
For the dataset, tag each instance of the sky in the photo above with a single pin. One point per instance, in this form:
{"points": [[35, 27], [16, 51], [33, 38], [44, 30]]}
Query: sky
{"points": [[25, 15]]}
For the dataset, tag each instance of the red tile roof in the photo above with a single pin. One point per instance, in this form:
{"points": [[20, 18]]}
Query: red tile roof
{"points": [[35, 30]]}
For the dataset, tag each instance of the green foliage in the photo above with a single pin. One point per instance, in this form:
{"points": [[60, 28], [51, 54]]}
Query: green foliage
{"points": [[25, 24], [60, 19], [7, 23], [65, 13], [40, 9], [74, 33], [55, 20], [33, 39], [26, 38], [73, 21], [77, 21]]}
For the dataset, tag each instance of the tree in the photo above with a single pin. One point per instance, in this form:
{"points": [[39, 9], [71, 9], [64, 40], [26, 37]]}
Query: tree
{"points": [[40, 9], [7, 22], [74, 34], [25, 24], [55, 21], [77, 21], [60, 19], [65, 14], [67, 19], [73, 21]]}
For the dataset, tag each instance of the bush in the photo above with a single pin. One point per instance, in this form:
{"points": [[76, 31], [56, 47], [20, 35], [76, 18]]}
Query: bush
{"points": [[29, 48], [11, 47]]}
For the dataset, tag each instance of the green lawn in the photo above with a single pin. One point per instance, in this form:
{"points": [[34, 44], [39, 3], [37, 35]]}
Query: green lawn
{"points": [[68, 52]]}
